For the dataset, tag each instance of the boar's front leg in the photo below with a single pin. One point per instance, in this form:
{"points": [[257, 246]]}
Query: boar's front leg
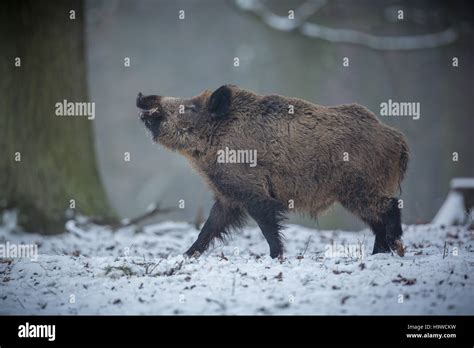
{"points": [[221, 219]]}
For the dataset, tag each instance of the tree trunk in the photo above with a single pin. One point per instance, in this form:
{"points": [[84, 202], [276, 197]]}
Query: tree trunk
{"points": [[57, 159]]}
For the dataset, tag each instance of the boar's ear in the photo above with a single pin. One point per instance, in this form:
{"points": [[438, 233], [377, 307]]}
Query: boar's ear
{"points": [[219, 102]]}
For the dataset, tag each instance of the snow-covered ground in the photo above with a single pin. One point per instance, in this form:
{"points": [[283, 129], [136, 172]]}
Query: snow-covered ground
{"points": [[96, 271]]}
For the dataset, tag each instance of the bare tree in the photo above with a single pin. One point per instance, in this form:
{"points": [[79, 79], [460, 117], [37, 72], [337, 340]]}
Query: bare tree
{"points": [[307, 9], [48, 163]]}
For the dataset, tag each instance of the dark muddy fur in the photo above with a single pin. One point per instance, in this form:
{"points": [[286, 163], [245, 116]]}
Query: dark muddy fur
{"points": [[300, 158], [218, 225]]}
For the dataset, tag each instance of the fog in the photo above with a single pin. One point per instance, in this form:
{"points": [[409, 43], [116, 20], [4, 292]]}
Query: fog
{"points": [[174, 57]]}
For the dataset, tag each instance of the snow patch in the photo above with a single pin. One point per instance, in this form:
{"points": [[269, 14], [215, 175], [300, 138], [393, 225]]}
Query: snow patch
{"points": [[97, 271]]}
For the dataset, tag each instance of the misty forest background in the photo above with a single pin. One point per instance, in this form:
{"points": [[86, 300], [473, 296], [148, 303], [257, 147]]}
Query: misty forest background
{"points": [[84, 159]]}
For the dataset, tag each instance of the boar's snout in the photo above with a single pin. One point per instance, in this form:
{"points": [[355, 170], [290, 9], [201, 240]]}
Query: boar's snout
{"points": [[146, 102], [148, 105], [139, 100]]}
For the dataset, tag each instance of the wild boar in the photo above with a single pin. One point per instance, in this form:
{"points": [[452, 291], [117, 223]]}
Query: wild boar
{"points": [[308, 157]]}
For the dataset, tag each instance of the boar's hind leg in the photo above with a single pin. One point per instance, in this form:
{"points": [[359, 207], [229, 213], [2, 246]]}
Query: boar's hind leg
{"points": [[381, 244], [268, 215], [221, 219], [393, 226], [383, 216]]}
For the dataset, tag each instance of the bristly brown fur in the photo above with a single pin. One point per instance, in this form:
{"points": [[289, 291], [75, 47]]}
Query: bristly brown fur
{"points": [[301, 157]]}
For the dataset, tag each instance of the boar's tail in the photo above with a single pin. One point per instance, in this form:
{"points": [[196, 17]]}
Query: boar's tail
{"points": [[404, 157]]}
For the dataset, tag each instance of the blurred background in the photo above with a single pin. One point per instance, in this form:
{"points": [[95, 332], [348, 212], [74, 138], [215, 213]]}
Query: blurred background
{"points": [[175, 57], [300, 58]]}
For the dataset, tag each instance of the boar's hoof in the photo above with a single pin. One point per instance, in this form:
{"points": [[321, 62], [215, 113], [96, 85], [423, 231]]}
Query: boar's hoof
{"points": [[381, 250], [193, 253], [397, 246], [276, 254], [380, 247]]}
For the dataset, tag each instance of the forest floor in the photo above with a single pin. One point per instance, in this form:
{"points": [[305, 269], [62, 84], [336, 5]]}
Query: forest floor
{"points": [[95, 271]]}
